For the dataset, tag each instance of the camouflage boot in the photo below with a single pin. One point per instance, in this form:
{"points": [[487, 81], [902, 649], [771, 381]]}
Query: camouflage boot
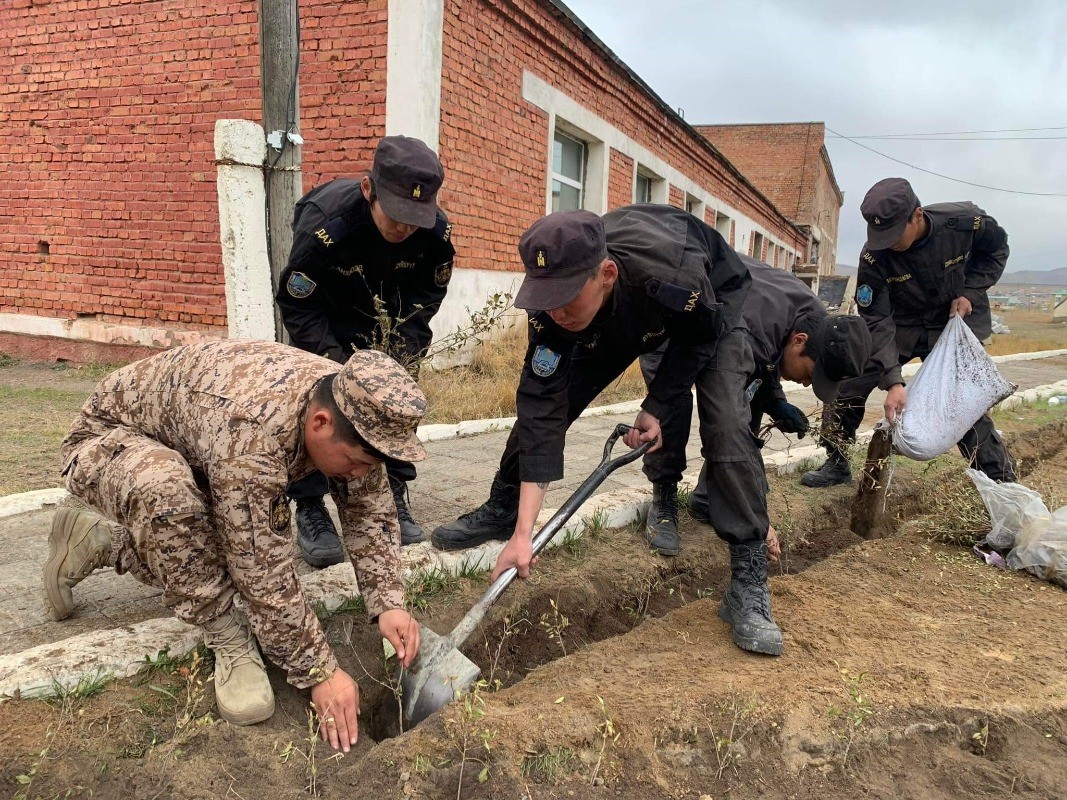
{"points": [[79, 543], [242, 690]]}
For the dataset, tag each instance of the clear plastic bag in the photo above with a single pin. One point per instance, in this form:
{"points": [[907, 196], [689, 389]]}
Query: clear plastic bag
{"points": [[1010, 505], [1041, 548], [1022, 522], [956, 384]]}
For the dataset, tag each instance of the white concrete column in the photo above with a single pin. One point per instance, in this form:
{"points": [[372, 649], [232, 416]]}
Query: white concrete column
{"points": [[413, 70], [241, 147]]}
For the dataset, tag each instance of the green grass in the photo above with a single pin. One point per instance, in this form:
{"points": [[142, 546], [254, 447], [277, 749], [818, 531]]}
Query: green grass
{"points": [[424, 588], [88, 685], [351, 606], [32, 424]]}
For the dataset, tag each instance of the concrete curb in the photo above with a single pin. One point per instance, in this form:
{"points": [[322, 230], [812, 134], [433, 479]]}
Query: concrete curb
{"points": [[121, 652]]}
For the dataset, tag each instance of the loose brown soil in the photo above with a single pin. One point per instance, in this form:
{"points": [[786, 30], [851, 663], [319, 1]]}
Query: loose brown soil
{"points": [[911, 670]]}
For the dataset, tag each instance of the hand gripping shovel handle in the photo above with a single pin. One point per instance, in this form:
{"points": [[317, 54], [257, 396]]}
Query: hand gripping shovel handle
{"points": [[606, 466]]}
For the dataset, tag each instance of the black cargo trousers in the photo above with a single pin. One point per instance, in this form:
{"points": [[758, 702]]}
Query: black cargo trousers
{"points": [[981, 445], [736, 482]]}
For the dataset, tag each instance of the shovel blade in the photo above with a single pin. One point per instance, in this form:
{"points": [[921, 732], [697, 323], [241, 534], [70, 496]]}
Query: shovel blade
{"points": [[438, 675]]}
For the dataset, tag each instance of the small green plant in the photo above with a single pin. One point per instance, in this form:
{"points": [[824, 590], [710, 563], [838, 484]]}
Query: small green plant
{"points": [[511, 627], [554, 623], [88, 685], [596, 524], [548, 765], [738, 715], [980, 739], [608, 733], [307, 753], [955, 513], [854, 715], [471, 570], [473, 739], [424, 587], [7, 360], [351, 606], [574, 544]]}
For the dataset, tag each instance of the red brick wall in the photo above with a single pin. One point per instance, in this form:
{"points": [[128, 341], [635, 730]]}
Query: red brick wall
{"points": [[677, 198], [620, 180], [107, 121], [494, 143]]}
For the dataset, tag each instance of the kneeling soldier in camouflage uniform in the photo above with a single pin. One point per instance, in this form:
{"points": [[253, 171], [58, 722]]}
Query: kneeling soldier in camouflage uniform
{"points": [[190, 453]]}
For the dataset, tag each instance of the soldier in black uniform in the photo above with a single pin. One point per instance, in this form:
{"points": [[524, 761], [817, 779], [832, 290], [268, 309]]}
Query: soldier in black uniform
{"points": [[599, 293], [792, 338], [370, 265], [920, 266]]}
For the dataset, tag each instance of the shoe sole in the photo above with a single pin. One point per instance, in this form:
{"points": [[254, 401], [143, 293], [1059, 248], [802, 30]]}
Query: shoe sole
{"points": [[57, 554], [466, 544], [670, 552], [249, 717], [320, 562], [822, 484], [751, 645]]}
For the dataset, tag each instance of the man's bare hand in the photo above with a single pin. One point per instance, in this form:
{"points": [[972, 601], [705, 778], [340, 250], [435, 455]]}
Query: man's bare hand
{"points": [[961, 306], [895, 401], [518, 553], [402, 632], [646, 429], [336, 702], [774, 546]]}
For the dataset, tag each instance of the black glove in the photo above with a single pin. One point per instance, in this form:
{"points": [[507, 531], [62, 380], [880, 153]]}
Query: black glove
{"points": [[789, 419]]}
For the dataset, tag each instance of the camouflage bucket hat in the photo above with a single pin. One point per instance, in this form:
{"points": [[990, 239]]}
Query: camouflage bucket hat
{"points": [[383, 403]]}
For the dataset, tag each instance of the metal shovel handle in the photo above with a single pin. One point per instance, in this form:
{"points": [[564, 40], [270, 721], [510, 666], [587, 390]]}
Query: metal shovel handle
{"points": [[606, 466]]}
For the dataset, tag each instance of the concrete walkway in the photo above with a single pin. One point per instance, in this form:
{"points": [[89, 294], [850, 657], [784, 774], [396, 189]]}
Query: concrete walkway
{"points": [[118, 620]]}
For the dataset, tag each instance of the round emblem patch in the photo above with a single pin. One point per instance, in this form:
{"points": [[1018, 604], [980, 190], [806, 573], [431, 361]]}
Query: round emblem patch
{"points": [[279, 514], [544, 361], [443, 274], [864, 295], [300, 285]]}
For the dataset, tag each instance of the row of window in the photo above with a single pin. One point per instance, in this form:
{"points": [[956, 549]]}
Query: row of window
{"points": [[570, 157]]}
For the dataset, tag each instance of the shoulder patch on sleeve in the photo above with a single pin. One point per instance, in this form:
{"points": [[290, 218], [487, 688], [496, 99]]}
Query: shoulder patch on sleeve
{"points": [[279, 514], [334, 231], [867, 257], [544, 361], [442, 229], [864, 295], [676, 298], [443, 274], [971, 222], [300, 285]]}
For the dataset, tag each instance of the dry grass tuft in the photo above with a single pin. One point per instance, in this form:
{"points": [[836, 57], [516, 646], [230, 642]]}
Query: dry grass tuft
{"points": [[485, 388]]}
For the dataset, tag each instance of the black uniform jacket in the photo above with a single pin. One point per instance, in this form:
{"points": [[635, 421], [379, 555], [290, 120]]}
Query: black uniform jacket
{"points": [[902, 295], [776, 302], [340, 263], [677, 279]]}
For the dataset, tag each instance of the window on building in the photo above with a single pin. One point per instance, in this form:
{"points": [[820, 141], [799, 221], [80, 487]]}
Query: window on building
{"points": [[814, 252], [643, 189], [722, 225], [757, 245], [568, 172], [694, 206]]}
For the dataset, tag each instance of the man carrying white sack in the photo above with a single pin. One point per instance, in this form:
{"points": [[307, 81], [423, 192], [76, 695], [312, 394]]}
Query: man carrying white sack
{"points": [[920, 267]]}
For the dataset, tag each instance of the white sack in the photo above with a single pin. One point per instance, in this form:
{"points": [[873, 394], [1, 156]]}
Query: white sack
{"points": [[956, 384]]}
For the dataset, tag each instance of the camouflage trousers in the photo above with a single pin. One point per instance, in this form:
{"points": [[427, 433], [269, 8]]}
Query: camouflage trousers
{"points": [[166, 538]]}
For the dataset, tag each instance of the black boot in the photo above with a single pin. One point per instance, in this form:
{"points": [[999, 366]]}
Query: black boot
{"points": [[747, 604], [410, 532], [316, 535], [661, 527], [494, 519], [836, 470]]}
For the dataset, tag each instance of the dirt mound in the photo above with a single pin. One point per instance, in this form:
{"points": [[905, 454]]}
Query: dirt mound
{"points": [[911, 670]]}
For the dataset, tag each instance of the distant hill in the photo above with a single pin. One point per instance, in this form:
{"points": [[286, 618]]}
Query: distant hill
{"points": [[1053, 277], [1048, 277]]}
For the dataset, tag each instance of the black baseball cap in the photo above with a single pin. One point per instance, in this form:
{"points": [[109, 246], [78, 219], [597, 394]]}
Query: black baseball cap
{"points": [[887, 207], [841, 346], [560, 252], [406, 176]]}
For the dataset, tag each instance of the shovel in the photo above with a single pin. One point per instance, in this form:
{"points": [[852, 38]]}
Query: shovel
{"points": [[441, 671]]}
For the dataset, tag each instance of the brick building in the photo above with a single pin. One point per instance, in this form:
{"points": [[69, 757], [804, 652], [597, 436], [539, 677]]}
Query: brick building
{"points": [[788, 162], [109, 230]]}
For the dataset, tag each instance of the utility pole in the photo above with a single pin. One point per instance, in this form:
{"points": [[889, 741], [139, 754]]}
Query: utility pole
{"points": [[279, 60]]}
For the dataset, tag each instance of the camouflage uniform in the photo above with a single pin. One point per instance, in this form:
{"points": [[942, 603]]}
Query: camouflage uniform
{"points": [[190, 451]]}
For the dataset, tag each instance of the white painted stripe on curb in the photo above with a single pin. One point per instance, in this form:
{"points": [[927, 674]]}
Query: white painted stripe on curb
{"points": [[14, 504], [122, 651]]}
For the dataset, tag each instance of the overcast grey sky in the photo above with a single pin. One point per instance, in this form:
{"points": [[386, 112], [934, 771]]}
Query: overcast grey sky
{"points": [[871, 69]]}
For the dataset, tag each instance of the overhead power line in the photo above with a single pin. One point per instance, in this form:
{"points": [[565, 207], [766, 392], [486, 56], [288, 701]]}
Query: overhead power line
{"points": [[957, 138], [949, 133], [946, 177]]}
